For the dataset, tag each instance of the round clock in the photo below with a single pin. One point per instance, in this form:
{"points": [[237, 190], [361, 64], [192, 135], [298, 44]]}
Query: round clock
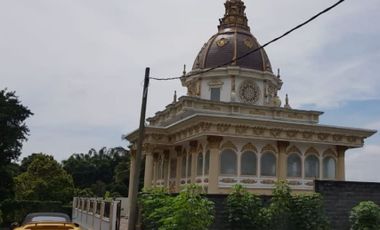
{"points": [[249, 92]]}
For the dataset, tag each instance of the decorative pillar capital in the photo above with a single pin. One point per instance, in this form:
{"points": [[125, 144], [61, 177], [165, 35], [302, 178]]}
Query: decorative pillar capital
{"points": [[214, 141], [178, 150], [282, 144], [341, 149], [166, 154], [193, 146]]}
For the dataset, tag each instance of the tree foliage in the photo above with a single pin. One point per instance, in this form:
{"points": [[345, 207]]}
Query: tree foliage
{"points": [[44, 179], [187, 211], [365, 216], [243, 209], [284, 211], [13, 130], [101, 171]]}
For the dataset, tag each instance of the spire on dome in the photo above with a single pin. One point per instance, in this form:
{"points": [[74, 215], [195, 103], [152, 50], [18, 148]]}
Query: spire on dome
{"points": [[234, 15]]}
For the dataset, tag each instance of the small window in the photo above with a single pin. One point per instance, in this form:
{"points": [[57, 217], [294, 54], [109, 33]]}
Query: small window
{"points": [[173, 168], [183, 169], [268, 164], [215, 94], [189, 165], [294, 165], [312, 167], [207, 162], [248, 163], [329, 168], [200, 164], [228, 162]]}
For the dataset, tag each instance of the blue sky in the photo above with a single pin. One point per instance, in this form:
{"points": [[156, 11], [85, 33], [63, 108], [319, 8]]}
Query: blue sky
{"points": [[79, 64]]}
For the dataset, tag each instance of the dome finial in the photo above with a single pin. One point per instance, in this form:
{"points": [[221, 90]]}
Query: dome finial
{"points": [[175, 96], [234, 15], [287, 106], [184, 70]]}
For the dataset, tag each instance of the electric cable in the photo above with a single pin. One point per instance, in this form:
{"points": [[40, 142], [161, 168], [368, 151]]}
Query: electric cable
{"points": [[256, 49]]}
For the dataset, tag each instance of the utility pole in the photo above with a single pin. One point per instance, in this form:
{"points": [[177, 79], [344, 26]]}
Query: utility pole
{"points": [[136, 174]]}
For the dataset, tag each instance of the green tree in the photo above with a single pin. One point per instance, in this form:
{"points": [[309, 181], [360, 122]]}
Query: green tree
{"points": [[365, 216], [45, 179], [243, 209], [103, 170], [13, 131]]}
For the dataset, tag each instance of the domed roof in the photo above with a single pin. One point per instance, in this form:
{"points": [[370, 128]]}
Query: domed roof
{"points": [[233, 39]]}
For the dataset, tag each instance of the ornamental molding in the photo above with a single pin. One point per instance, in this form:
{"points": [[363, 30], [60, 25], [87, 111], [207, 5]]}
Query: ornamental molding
{"points": [[249, 92], [199, 127], [293, 149], [269, 148], [215, 83], [311, 151], [249, 147], [229, 145], [329, 152]]}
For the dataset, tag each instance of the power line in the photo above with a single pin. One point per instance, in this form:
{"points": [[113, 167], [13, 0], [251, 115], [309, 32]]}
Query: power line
{"points": [[257, 49]]}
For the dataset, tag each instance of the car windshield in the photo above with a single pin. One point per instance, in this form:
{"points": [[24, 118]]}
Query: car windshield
{"points": [[48, 219]]}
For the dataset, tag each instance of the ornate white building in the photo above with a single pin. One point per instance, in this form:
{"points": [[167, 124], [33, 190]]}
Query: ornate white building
{"points": [[231, 127]]}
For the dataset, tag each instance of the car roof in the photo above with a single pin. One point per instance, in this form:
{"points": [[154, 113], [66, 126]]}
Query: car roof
{"points": [[30, 216]]}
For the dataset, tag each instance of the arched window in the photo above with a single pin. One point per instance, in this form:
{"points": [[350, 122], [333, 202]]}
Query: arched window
{"points": [[207, 162], [200, 164], [183, 166], [329, 168], [248, 163], [165, 169], [268, 164], [228, 162], [294, 165], [312, 167], [189, 165], [173, 168]]}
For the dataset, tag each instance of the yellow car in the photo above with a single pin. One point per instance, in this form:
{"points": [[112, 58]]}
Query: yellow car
{"points": [[47, 221]]}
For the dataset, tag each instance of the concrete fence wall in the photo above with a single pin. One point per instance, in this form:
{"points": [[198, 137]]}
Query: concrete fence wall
{"points": [[96, 214], [341, 196]]}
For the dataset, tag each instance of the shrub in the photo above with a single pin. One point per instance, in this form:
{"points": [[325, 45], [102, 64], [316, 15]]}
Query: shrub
{"points": [[243, 209], [365, 216], [279, 212], [307, 212], [284, 212], [151, 201], [187, 211]]}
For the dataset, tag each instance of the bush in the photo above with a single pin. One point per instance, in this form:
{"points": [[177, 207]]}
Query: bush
{"points": [[307, 212], [365, 216], [151, 201], [285, 211], [187, 211], [243, 209]]}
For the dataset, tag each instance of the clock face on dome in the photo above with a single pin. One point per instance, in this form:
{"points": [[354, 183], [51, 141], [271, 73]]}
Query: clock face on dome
{"points": [[249, 92]]}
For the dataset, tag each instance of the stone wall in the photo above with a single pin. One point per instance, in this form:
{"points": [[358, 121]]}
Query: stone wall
{"points": [[341, 196]]}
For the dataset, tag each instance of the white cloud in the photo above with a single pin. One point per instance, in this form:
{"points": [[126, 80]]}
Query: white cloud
{"points": [[80, 64], [361, 164]]}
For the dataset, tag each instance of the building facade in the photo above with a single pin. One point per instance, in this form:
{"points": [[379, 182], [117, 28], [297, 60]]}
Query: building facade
{"points": [[232, 129]]}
